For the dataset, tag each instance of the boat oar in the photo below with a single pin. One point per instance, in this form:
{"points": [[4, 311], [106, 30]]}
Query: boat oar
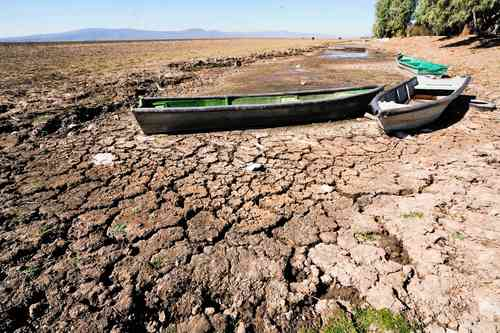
{"points": [[483, 104]]}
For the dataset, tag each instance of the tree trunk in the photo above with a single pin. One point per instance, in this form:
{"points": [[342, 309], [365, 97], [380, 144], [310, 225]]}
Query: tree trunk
{"points": [[475, 21]]}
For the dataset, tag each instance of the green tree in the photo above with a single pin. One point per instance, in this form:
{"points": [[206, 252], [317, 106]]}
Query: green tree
{"points": [[401, 13], [393, 17], [382, 18], [485, 14], [449, 17]]}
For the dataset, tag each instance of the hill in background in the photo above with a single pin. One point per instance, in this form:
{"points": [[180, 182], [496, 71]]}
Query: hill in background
{"points": [[96, 34]]}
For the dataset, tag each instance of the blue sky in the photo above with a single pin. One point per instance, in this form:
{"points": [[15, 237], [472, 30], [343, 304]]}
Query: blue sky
{"points": [[336, 17]]}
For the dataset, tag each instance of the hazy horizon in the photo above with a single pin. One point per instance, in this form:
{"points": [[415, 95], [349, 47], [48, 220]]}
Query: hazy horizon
{"points": [[333, 18]]}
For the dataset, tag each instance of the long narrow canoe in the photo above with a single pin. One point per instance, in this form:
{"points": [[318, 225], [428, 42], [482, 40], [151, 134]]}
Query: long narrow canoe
{"points": [[421, 67], [194, 114], [417, 102]]}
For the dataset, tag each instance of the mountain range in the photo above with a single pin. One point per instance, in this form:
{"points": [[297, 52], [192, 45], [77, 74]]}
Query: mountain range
{"points": [[97, 34]]}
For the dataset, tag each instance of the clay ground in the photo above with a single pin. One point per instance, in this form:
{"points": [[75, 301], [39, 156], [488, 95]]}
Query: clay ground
{"points": [[174, 233]]}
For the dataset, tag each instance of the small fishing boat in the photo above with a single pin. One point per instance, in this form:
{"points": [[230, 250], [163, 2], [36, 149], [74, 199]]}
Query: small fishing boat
{"points": [[416, 102], [421, 67], [194, 114]]}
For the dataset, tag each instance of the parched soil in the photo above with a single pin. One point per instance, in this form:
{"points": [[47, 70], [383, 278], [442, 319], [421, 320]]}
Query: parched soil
{"points": [[105, 229]]}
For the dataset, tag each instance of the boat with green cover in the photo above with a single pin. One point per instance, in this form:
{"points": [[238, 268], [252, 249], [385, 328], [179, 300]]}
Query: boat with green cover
{"points": [[421, 67], [157, 115]]}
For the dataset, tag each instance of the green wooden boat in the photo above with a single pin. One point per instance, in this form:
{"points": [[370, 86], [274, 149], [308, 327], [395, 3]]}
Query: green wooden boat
{"points": [[193, 114], [421, 67]]}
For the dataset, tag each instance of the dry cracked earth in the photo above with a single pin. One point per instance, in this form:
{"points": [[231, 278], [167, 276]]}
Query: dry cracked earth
{"points": [[105, 229]]}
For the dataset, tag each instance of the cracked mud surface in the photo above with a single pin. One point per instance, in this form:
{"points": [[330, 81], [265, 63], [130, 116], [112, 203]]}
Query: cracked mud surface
{"points": [[170, 232]]}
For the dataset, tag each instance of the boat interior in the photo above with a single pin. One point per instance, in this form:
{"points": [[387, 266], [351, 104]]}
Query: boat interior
{"points": [[201, 102], [419, 90]]}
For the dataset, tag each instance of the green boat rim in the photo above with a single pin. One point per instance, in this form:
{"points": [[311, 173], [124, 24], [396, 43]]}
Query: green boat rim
{"points": [[236, 102]]}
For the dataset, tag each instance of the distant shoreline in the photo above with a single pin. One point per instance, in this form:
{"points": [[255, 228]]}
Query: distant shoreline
{"points": [[6, 43]]}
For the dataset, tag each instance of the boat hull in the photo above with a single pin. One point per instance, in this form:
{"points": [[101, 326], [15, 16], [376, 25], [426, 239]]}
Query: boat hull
{"points": [[191, 120], [411, 120]]}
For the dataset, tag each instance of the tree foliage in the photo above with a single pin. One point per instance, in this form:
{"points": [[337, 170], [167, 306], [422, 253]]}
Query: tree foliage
{"points": [[393, 17], [442, 17], [380, 28]]}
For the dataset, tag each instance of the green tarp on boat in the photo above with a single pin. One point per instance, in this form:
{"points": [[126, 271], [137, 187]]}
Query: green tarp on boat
{"points": [[421, 67]]}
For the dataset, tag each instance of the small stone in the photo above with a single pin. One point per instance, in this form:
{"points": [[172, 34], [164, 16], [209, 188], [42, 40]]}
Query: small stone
{"points": [[195, 310], [328, 237], [161, 317], [151, 327], [325, 308], [367, 254], [325, 189], [105, 159], [453, 325], [241, 328], [382, 297], [324, 256], [230, 313], [254, 167], [115, 329], [35, 310], [326, 279], [219, 322], [209, 311]]}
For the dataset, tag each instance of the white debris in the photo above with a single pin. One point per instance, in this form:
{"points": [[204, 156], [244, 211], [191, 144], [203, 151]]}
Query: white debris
{"points": [[391, 105], [324, 189], [90, 128], [103, 159], [403, 135], [252, 167], [209, 311]]}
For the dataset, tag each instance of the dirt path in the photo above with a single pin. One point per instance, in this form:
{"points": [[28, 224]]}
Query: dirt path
{"points": [[105, 229]]}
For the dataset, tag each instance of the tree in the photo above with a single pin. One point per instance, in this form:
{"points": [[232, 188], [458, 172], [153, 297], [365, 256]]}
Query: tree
{"points": [[449, 17], [485, 14], [393, 17], [381, 27], [401, 14]]}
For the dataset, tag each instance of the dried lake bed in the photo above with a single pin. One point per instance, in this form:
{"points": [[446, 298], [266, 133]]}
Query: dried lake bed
{"points": [[103, 228]]}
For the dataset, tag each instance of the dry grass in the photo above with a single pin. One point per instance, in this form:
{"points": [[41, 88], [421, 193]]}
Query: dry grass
{"points": [[106, 57]]}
